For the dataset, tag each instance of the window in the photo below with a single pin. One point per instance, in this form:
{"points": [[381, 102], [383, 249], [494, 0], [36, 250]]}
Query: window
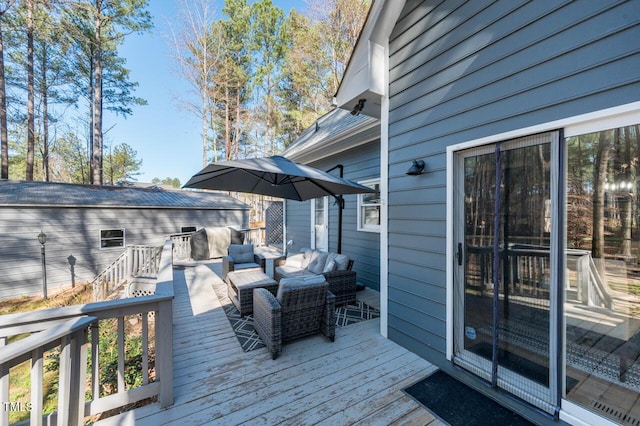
{"points": [[111, 238], [369, 207]]}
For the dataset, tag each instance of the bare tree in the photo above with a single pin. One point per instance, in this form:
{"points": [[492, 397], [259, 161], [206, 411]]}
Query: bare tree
{"points": [[342, 22], [197, 56]]}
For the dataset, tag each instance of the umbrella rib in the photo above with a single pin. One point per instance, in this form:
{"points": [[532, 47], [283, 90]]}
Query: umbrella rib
{"points": [[323, 188], [222, 172]]}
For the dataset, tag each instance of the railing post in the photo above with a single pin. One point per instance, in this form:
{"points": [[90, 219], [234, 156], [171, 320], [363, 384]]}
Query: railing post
{"points": [[164, 358]]}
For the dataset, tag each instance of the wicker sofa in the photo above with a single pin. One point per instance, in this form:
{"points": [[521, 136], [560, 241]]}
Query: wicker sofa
{"points": [[302, 307], [336, 269]]}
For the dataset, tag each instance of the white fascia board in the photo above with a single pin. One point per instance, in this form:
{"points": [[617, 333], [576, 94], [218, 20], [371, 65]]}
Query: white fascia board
{"points": [[365, 81], [364, 77]]}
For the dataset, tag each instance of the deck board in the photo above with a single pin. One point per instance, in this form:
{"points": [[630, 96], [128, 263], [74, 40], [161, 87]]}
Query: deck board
{"points": [[358, 379]]}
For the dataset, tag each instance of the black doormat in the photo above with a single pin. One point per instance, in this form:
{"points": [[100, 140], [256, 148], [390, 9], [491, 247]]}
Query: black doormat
{"points": [[459, 405]]}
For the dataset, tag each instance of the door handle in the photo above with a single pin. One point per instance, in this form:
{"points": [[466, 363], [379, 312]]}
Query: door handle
{"points": [[459, 254]]}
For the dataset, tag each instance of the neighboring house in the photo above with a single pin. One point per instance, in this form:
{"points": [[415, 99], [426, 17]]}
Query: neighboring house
{"points": [[89, 226], [548, 94], [352, 141]]}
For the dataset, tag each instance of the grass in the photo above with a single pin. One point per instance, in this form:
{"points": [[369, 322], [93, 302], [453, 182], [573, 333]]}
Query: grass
{"points": [[79, 294]]}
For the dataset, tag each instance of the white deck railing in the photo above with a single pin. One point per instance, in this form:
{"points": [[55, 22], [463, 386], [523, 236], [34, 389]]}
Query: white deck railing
{"points": [[69, 329], [528, 269], [135, 261], [181, 246], [182, 242], [591, 289]]}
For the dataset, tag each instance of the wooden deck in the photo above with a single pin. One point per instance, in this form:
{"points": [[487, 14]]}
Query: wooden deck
{"points": [[358, 379]]}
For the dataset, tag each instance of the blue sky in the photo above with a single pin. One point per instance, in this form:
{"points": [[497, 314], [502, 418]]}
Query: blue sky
{"points": [[165, 135]]}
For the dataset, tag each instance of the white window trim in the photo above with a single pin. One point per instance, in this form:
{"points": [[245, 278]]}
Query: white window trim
{"points": [[359, 226], [124, 238]]}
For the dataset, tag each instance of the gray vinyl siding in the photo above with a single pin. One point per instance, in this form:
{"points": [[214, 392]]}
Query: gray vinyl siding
{"points": [[361, 163], [298, 225], [76, 232], [463, 70]]}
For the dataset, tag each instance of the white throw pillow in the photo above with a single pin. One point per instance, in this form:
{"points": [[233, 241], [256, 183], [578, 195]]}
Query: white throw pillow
{"points": [[342, 262], [295, 261], [307, 257], [330, 266], [317, 262]]}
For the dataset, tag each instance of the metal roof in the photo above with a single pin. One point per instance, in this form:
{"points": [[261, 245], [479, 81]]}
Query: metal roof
{"points": [[21, 193], [335, 131]]}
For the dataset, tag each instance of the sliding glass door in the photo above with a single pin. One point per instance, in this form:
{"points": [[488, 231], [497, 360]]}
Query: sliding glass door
{"points": [[504, 297], [602, 289]]}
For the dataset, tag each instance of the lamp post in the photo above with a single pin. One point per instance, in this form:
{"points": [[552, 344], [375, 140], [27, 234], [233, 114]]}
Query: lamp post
{"points": [[72, 263], [42, 238]]}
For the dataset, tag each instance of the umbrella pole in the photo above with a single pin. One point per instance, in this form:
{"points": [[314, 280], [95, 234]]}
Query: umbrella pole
{"points": [[340, 207], [340, 203]]}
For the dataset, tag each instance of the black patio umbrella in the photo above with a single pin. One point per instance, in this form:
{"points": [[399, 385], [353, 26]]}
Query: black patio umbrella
{"points": [[275, 176], [279, 177]]}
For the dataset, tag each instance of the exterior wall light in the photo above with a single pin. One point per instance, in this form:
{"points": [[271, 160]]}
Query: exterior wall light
{"points": [[357, 109], [417, 168]]}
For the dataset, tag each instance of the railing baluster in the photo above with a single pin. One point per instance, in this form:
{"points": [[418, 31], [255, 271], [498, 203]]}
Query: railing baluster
{"points": [[120, 343], [78, 377], [145, 348], [4, 387], [64, 379], [95, 360], [36, 387]]}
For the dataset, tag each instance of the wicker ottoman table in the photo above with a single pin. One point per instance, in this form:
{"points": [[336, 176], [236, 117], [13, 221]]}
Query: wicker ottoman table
{"points": [[241, 285]]}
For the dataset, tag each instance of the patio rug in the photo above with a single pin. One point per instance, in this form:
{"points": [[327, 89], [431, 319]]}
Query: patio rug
{"points": [[249, 339], [459, 405]]}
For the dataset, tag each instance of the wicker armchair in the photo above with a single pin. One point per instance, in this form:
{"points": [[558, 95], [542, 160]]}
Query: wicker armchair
{"points": [[299, 309], [241, 257]]}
